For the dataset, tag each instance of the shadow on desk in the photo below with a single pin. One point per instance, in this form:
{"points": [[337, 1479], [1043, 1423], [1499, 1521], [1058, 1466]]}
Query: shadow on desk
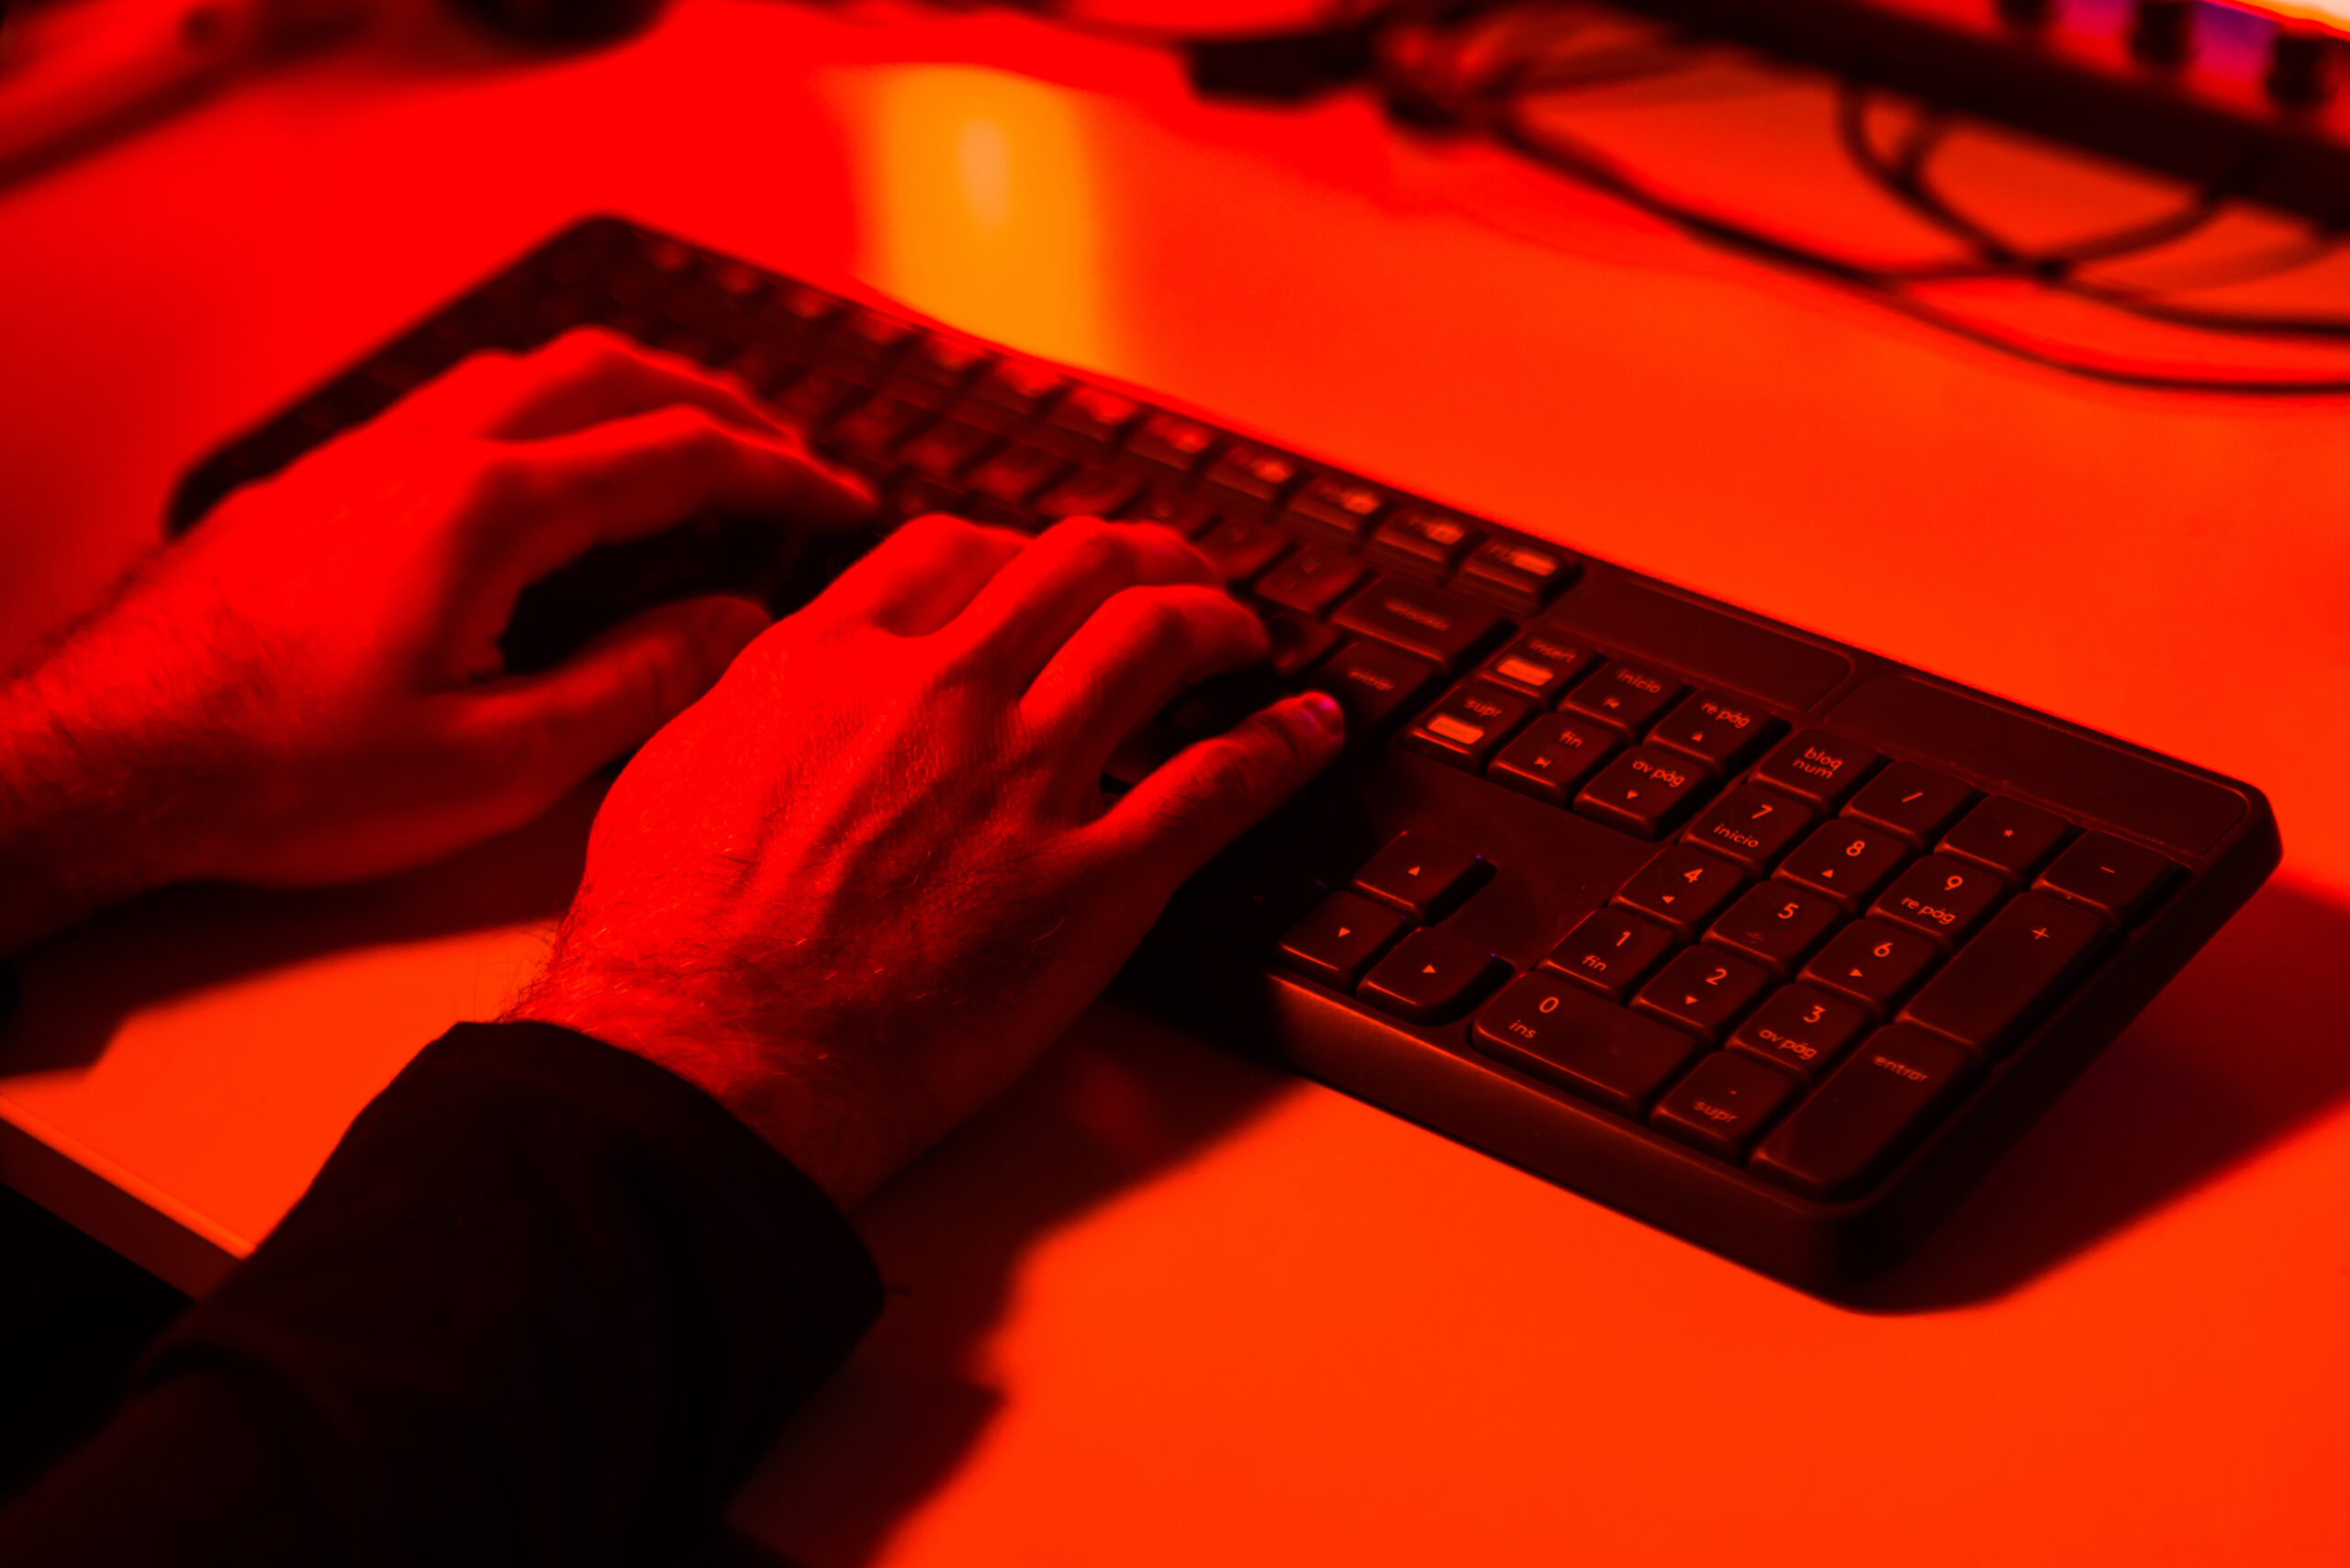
{"points": [[79, 988], [2242, 1050], [2245, 1046], [1122, 1100]]}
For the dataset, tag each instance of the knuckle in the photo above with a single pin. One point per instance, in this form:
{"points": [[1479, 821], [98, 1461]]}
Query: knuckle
{"points": [[1091, 546], [507, 480], [1159, 622]]}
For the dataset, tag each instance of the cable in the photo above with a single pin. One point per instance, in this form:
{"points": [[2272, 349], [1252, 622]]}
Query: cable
{"points": [[1496, 107], [1466, 67]]}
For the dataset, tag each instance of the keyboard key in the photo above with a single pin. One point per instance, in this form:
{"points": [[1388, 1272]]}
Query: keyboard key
{"points": [[1170, 443], [1241, 549], [1089, 422], [1846, 860], [1250, 476], [1552, 759], [1336, 507], [943, 360], [1999, 980], [1750, 827], [1817, 767], [1012, 389], [1088, 492], [870, 338], [1724, 1105], [1516, 574], [1682, 888], [1431, 623], [1611, 951], [1310, 581], [2007, 836], [878, 426], [1423, 874], [947, 448], [1868, 1112], [1801, 1030], [2116, 879], [1470, 726], [1015, 473], [1625, 695], [1540, 663], [1432, 975], [1776, 925], [1873, 963], [916, 497], [1296, 643], [1940, 897], [1703, 990], [1374, 683], [1168, 509], [994, 513], [1644, 792], [812, 400], [799, 311], [1340, 939], [1719, 731], [1914, 801], [1421, 542], [1545, 1024]]}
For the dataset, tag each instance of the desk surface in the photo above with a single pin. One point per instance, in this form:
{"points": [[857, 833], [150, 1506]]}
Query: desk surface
{"points": [[1163, 1305]]}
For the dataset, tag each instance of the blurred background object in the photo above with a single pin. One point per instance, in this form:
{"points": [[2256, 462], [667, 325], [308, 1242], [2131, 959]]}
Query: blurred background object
{"points": [[74, 73]]}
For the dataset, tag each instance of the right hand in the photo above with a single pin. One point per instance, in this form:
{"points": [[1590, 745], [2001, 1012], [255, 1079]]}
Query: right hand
{"points": [[858, 887]]}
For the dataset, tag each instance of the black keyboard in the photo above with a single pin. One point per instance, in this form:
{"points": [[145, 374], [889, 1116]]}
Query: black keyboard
{"points": [[1763, 939]]}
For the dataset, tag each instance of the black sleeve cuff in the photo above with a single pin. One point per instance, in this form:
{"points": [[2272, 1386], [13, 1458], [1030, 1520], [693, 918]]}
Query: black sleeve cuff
{"points": [[545, 1303]]}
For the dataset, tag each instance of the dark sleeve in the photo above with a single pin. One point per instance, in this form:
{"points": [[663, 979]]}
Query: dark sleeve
{"points": [[545, 1305]]}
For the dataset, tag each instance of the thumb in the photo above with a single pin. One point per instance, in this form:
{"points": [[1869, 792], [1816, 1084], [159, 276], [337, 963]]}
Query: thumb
{"points": [[1209, 793], [612, 696]]}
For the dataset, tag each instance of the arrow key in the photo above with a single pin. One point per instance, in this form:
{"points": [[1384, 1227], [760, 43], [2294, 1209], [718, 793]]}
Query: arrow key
{"points": [[1423, 874], [1873, 963], [1703, 991], [1432, 975], [1645, 790], [1339, 938], [1682, 888]]}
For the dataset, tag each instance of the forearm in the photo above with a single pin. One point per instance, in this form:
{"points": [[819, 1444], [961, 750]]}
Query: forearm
{"points": [[546, 1303]]}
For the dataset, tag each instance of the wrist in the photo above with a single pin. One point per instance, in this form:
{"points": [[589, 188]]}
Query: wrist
{"points": [[795, 1099], [81, 818]]}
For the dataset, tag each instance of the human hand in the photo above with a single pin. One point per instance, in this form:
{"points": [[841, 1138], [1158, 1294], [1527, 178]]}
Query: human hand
{"points": [[857, 889], [308, 689]]}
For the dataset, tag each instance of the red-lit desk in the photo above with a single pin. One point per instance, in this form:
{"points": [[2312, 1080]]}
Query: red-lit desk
{"points": [[1163, 1305]]}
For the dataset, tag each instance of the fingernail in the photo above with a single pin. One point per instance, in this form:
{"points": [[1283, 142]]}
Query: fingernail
{"points": [[1322, 715]]}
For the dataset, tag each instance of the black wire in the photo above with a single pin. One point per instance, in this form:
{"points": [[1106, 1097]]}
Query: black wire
{"points": [[1498, 109], [1889, 290], [1908, 179], [1909, 183], [1434, 92]]}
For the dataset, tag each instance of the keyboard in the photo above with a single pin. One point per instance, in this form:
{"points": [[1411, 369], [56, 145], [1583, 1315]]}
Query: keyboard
{"points": [[1768, 941]]}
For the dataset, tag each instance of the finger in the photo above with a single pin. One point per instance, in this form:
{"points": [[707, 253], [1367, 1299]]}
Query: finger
{"points": [[583, 378], [1024, 615], [556, 727], [920, 577], [1207, 795], [1129, 660], [548, 502]]}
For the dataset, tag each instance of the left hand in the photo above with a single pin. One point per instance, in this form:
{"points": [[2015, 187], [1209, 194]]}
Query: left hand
{"points": [[308, 689]]}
